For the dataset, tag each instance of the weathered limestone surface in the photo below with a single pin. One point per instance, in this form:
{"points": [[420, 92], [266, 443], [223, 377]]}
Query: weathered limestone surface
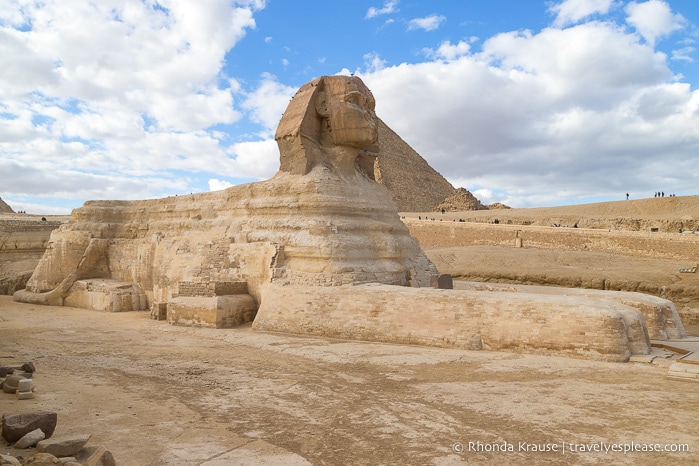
{"points": [[319, 248], [106, 295], [294, 228], [22, 243], [520, 322], [660, 316]]}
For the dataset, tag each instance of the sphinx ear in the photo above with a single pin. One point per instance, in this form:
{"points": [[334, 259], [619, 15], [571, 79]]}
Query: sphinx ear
{"points": [[321, 104]]}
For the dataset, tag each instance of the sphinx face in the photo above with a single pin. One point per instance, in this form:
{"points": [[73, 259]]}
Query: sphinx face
{"points": [[350, 112]]}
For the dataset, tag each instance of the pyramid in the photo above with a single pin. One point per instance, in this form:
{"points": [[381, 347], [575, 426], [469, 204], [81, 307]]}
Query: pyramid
{"points": [[4, 208], [461, 200], [498, 205], [416, 187]]}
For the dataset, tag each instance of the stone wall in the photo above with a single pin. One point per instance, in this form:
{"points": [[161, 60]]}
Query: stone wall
{"points": [[212, 311], [212, 288], [20, 239], [22, 243], [668, 214], [637, 243]]}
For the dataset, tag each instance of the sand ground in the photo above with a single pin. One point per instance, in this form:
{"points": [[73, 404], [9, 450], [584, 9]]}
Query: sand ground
{"points": [[158, 394]]}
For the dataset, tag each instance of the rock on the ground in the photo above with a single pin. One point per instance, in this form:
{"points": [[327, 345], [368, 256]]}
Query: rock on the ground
{"points": [[42, 459], [11, 383], [63, 447], [7, 460], [30, 439], [28, 367], [96, 456], [15, 426]]}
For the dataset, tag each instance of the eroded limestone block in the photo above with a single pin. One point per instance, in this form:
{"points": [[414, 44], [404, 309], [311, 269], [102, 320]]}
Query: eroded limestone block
{"points": [[24, 395], [158, 311], [214, 311], [443, 281], [24, 385], [106, 295], [682, 370]]}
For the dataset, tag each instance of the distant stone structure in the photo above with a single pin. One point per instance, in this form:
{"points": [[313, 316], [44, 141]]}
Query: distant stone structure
{"points": [[461, 200], [497, 206], [4, 208], [318, 249], [414, 184]]}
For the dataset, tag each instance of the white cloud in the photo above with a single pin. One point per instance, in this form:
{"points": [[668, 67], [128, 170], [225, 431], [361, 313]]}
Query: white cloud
{"points": [[121, 99], [684, 54], [259, 159], [267, 103], [123, 92], [578, 64], [572, 113], [486, 196], [447, 51], [218, 185], [69, 183], [387, 8], [572, 11], [428, 23], [373, 62], [653, 19]]}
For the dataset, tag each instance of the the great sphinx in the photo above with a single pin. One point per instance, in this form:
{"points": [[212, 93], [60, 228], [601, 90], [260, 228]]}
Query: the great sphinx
{"points": [[317, 249]]}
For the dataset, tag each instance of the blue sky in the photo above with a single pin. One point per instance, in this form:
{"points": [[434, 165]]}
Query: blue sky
{"points": [[529, 103]]}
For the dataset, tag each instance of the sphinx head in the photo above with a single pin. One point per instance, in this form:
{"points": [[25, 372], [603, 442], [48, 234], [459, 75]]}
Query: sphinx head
{"points": [[330, 121], [346, 108]]}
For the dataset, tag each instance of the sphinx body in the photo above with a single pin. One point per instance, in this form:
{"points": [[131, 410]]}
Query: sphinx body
{"points": [[317, 249], [320, 221]]}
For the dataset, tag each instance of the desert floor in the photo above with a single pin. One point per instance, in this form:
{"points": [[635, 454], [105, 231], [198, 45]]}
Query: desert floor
{"points": [[158, 394]]}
